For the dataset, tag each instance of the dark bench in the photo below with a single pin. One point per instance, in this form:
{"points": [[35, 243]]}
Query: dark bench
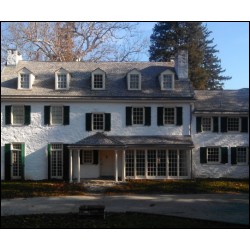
{"points": [[92, 211]]}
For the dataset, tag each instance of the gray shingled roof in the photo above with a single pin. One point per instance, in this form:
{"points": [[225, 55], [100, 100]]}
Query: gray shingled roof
{"points": [[222, 100], [80, 85], [101, 140]]}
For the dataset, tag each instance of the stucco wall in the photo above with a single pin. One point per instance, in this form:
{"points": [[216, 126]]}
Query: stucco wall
{"points": [[37, 136]]}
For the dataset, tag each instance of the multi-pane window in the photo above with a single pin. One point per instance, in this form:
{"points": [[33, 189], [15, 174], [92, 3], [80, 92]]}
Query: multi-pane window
{"points": [[167, 81], [233, 124], [25, 78], [134, 81], [138, 116], [151, 162], [16, 160], [241, 155], [213, 155], [140, 162], [56, 160], [169, 116], [87, 156], [129, 163], [62, 81], [56, 115], [172, 161], [18, 115], [161, 163], [98, 122], [206, 124], [183, 163], [98, 81]]}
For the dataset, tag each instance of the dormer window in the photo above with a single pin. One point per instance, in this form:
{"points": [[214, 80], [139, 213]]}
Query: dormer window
{"points": [[98, 79], [134, 80], [166, 79], [25, 79], [62, 79]]}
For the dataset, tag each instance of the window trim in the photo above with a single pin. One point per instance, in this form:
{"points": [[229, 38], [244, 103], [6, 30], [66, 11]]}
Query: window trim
{"points": [[239, 128], [213, 162], [98, 72], [83, 158], [12, 116], [53, 150], [247, 155], [132, 117], [211, 124], [129, 80], [92, 121], [161, 78], [25, 71], [175, 117], [51, 121], [62, 72]]}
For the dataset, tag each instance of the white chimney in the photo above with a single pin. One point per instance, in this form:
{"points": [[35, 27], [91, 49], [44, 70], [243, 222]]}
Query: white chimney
{"points": [[181, 64], [13, 57]]}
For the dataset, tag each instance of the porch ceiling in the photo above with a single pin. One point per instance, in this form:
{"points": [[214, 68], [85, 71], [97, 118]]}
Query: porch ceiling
{"points": [[101, 140]]}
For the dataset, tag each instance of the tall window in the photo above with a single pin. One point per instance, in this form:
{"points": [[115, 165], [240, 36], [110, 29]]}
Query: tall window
{"points": [[56, 115], [98, 122], [25, 78], [233, 124], [213, 155], [17, 115], [134, 81], [62, 81], [56, 160], [98, 81], [169, 116], [138, 116], [167, 81], [16, 160], [206, 124], [241, 155]]}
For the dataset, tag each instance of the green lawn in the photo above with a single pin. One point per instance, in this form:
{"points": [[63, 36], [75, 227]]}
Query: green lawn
{"points": [[112, 220], [14, 189]]}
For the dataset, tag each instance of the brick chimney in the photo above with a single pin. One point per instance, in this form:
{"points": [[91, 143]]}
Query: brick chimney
{"points": [[13, 57], [181, 64]]}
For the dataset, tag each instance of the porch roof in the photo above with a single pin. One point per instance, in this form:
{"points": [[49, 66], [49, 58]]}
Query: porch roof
{"points": [[101, 140]]}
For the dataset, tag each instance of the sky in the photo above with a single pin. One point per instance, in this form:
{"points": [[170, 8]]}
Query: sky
{"points": [[232, 40]]}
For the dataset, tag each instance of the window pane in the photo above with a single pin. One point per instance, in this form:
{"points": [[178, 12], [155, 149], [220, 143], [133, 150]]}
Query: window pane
{"points": [[151, 162], [138, 118], [169, 116], [25, 81], [241, 155], [213, 155], [172, 162], [56, 160], [18, 115], [183, 163], [206, 123], [167, 81], [62, 81], [129, 163], [134, 81], [98, 122], [57, 114], [88, 156], [16, 160], [233, 124], [161, 162], [140, 162], [98, 81]]}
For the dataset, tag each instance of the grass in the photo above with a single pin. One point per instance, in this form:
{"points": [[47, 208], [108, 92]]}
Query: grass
{"points": [[25, 189], [112, 220]]}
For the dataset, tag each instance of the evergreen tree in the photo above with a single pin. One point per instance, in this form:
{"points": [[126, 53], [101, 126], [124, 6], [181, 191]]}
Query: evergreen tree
{"points": [[204, 66]]}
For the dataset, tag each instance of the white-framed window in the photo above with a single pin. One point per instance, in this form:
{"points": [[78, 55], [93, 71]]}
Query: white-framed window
{"points": [[167, 81], [242, 155], [138, 116], [62, 81], [206, 124], [25, 81], [134, 81], [169, 116], [16, 160], [233, 124], [98, 121], [87, 156], [56, 115], [213, 154], [56, 160], [17, 115]]}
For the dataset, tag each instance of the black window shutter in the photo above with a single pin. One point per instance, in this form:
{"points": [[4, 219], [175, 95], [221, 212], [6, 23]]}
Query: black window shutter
{"points": [[107, 121], [203, 155], [233, 155], [7, 161], [23, 161], [49, 161], [160, 116], [244, 124], [65, 162], [88, 122], [96, 157], [223, 124], [224, 155], [198, 124], [27, 113], [46, 115], [66, 110], [215, 124], [179, 116], [147, 116], [128, 116], [8, 115]]}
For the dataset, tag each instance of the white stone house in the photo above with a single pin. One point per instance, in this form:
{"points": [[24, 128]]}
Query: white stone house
{"points": [[125, 120]]}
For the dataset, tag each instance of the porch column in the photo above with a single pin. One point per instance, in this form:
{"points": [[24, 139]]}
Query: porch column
{"points": [[70, 165], [116, 166], [123, 165], [78, 165]]}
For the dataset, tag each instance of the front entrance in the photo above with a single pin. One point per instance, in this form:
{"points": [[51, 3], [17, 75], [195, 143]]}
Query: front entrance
{"points": [[107, 162]]}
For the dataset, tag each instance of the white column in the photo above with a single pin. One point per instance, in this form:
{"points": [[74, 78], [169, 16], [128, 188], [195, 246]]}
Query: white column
{"points": [[78, 166], [116, 166], [123, 165], [70, 165]]}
